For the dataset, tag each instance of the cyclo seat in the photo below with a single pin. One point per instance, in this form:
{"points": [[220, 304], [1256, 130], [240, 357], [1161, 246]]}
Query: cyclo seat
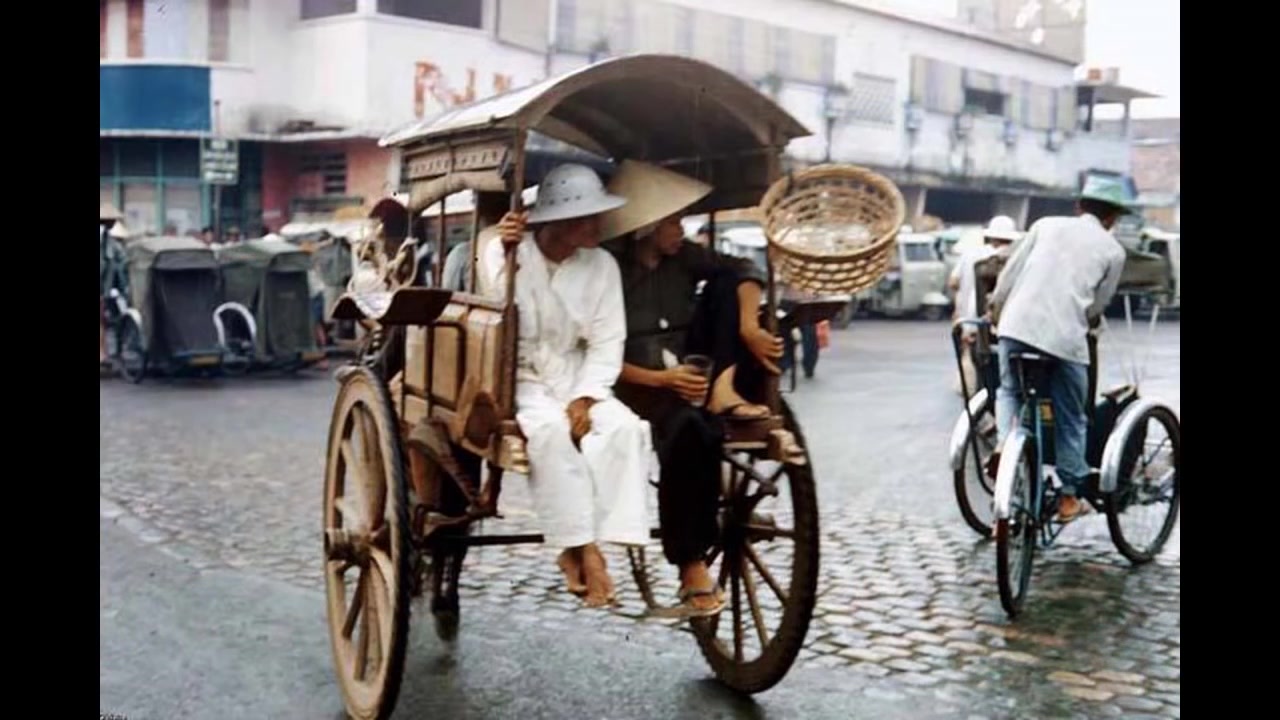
{"points": [[1032, 370]]}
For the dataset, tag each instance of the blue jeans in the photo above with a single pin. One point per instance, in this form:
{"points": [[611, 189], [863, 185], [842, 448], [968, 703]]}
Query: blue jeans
{"points": [[1068, 386]]}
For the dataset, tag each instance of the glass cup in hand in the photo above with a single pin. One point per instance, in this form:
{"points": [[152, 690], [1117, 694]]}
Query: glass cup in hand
{"points": [[698, 365]]}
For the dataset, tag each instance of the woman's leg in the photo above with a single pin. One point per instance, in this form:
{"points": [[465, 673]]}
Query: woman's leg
{"points": [[714, 332]]}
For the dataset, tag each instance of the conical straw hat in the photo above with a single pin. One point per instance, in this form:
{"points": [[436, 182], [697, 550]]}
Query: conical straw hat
{"points": [[652, 194]]}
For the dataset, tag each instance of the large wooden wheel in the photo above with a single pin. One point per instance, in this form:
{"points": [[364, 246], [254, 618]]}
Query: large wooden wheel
{"points": [[767, 563], [366, 546]]}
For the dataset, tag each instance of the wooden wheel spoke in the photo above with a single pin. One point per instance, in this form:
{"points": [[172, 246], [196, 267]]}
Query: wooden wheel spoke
{"points": [[765, 574], [343, 566], [711, 559], [362, 648], [381, 537], [373, 623], [724, 571], [352, 517], [348, 455], [756, 616], [771, 532], [353, 610], [729, 481], [386, 594]]}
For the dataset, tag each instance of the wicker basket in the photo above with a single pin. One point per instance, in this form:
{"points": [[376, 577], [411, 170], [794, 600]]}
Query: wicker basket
{"points": [[837, 203]]}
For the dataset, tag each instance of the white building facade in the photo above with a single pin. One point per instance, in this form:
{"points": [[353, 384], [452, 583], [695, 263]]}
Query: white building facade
{"points": [[968, 122]]}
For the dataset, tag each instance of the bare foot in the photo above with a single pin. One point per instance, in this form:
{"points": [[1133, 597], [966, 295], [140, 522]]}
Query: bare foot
{"points": [[600, 590], [725, 400], [570, 562]]}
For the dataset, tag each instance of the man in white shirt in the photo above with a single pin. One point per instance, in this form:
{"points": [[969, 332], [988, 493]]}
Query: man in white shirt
{"points": [[1058, 280], [589, 455], [999, 234]]}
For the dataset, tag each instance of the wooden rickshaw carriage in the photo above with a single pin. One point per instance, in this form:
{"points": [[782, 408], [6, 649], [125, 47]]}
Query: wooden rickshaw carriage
{"points": [[451, 396]]}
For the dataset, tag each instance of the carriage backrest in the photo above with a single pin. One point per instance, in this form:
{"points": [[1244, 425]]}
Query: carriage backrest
{"points": [[173, 282]]}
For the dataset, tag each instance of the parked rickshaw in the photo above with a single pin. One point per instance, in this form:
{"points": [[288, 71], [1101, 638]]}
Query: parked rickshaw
{"points": [[269, 276], [174, 292], [388, 545]]}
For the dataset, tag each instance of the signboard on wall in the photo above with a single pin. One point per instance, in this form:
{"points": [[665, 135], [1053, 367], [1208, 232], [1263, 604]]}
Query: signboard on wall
{"points": [[220, 161]]}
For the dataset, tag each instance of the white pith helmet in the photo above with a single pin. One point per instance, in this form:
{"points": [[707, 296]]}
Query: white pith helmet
{"points": [[572, 191]]}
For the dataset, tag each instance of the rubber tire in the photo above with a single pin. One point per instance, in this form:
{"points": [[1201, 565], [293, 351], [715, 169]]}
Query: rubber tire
{"points": [[1012, 598], [1134, 555], [961, 488]]}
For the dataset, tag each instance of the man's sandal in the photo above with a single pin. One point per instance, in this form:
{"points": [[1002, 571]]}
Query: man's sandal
{"points": [[688, 609]]}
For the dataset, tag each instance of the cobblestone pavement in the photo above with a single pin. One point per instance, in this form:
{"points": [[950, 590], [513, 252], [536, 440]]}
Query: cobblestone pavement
{"points": [[229, 474]]}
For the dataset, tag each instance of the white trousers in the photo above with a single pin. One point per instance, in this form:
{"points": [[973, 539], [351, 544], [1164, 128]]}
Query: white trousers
{"points": [[596, 495]]}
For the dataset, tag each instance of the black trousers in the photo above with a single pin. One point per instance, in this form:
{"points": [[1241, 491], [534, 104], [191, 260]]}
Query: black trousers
{"points": [[688, 439]]}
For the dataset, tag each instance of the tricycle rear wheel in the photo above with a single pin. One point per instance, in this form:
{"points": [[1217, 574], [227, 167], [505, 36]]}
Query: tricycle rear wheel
{"points": [[1149, 490], [974, 488]]}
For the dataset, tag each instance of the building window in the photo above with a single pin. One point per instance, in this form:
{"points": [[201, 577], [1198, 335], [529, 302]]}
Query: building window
{"points": [[139, 159], [984, 102], [312, 9], [322, 174], [180, 158], [219, 30], [466, 13], [871, 99]]}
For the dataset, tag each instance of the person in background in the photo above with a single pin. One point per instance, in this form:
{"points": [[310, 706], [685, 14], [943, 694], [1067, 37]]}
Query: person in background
{"points": [[808, 334], [703, 237], [998, 236], [457, 264], [112, 272]]}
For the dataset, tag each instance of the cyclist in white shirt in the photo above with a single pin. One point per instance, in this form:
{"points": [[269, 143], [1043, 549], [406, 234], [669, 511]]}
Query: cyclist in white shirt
{"points": [[1058, 280]]}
